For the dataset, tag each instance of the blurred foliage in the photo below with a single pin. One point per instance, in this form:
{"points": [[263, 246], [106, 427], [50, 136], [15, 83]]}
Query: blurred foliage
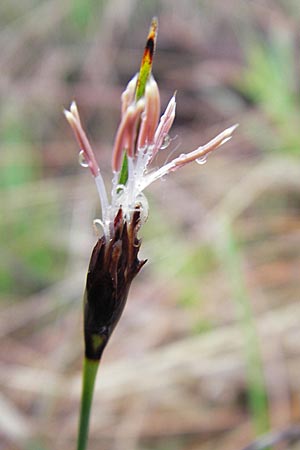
{"points": [[84, 12], [270, 81], [257, 389], [231, 62], [30, 259]]}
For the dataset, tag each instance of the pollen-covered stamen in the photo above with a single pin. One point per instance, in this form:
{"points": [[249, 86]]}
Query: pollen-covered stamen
{"points": [[164, 126], [185, 158], [126, 134], [151, 114]]}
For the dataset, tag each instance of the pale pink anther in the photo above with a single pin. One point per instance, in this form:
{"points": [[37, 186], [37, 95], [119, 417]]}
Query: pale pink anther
{"points": [[199, 154], [164, 126], [132, 128], [126, 134], [151, 114], [73, 118], [74, 111], [128, 95]]}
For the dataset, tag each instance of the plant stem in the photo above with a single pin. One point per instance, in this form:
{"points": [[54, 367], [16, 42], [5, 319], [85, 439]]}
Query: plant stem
{"points": [[89, 372]]}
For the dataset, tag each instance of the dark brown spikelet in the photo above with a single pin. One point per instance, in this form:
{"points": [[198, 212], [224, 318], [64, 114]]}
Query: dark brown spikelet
{"points": [[113, 266]]}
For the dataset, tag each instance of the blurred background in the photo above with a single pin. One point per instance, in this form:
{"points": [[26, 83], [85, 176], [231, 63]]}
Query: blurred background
{"points": [[207, 353]]}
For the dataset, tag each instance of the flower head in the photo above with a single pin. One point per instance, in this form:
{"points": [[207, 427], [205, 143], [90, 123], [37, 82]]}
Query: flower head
{"points": [[141, 135]]}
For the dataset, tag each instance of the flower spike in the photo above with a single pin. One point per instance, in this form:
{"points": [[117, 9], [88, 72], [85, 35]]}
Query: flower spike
{"points": [[141, 136], [114, 263]]}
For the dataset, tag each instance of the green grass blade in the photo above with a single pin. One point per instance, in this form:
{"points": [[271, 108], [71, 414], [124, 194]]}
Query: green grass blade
{"points": [[147, 59], [144, 74]]}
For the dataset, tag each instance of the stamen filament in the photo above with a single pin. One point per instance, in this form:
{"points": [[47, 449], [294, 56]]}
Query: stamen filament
{"points": [[103, 195]]}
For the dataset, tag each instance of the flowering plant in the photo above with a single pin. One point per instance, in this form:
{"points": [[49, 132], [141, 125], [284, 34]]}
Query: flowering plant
{"points": [[114, 263]]}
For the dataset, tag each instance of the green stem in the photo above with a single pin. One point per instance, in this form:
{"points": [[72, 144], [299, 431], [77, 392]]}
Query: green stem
{"points": [[89, 373]]}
